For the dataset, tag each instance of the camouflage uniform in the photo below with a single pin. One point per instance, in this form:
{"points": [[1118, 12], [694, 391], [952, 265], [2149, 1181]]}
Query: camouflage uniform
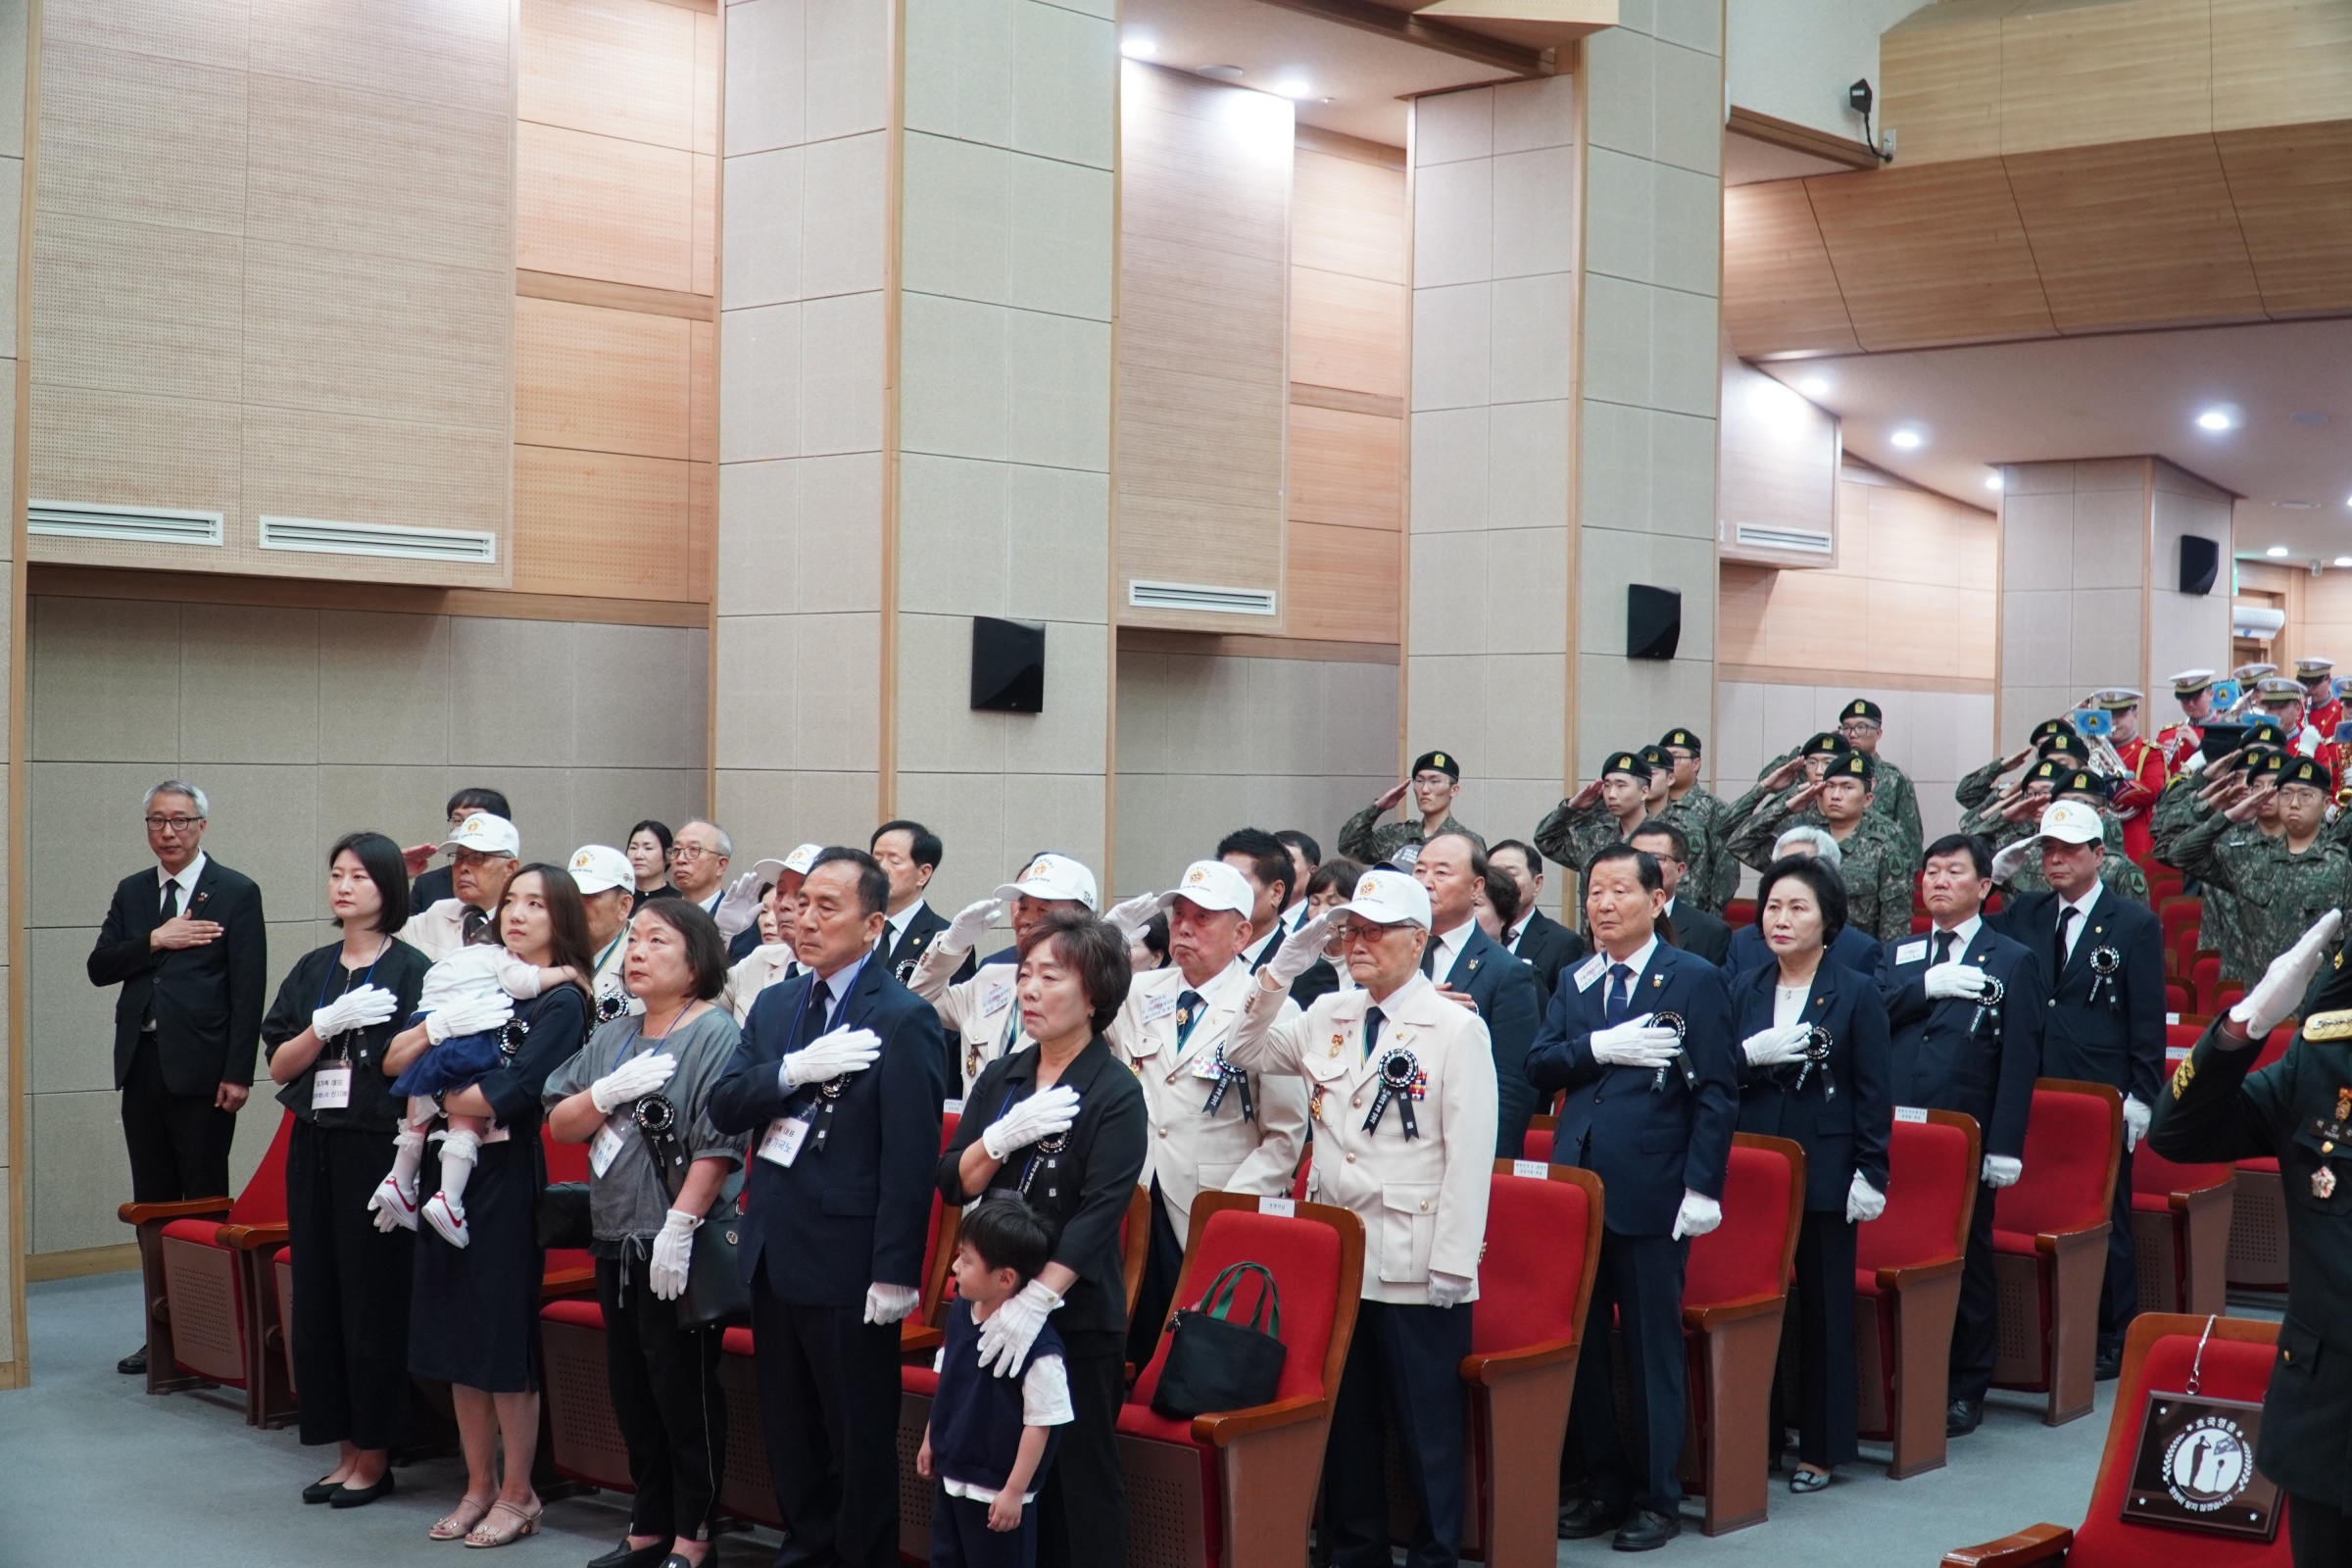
{"points": [[2280, 890], [1572, 835], [1714, 875], [2118, 870], [1893, 802], [2220, 921], [1360, 841], [1875, 867]]}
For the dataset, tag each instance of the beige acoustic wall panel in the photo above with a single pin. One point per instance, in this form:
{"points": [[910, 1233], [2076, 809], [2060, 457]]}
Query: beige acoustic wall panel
{"points": [[273, 276]]}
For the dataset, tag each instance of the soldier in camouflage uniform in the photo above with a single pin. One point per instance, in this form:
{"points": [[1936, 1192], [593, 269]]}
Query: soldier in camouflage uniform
{"points": [[2052, 739], [1699, 811], [1877, 868], [2283, 883], [1603, 813], [1435, 781], [2013, 818], [1893, 802], [2188, 801], [1812, 759]]}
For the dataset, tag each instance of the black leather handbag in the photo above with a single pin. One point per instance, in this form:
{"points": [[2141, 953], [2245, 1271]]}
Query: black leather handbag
{"points": [[1214, 1363], [562, 1216], [716, 1294]]}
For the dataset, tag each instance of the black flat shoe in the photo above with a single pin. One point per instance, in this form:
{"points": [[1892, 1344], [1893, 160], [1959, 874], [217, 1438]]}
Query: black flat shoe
{"points": [[625, 1555], [2109, 1366], [133, 1365], [349, 1497], [1646, 1531], [1962, 1416], [1587, 1519], [321, 1488]]}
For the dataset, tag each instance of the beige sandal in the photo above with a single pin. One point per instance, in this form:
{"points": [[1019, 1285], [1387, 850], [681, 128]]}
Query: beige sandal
{"points": [[460, 1519], [525, 1524]]}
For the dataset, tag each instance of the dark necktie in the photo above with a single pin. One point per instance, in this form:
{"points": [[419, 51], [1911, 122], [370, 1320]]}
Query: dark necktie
{"points": [[1189, 1008], [1372, 1022], [2058, 946], [170, 906], [470, 923], [1617, 1001], [1428, 958], [1943, 947]]}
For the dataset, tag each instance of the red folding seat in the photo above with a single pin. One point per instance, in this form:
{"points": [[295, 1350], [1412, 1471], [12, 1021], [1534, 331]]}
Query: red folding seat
{"points": [[2160, 1354], [2204, 976], [2177, 1000], [2049, 1246], [1739, 912], [1735, 1290], [569, 1271], [2181, 1233], [1540, 1131], [1907, 1265], [2258, 1204], [2181, 917]]}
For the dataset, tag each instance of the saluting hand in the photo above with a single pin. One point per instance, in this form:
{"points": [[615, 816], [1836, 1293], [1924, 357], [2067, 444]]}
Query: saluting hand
{"points": [[1391, 795], [2250, 800], [1801, 799], [182, 932], [2016, 758], [415, 858], [1780, 777]]}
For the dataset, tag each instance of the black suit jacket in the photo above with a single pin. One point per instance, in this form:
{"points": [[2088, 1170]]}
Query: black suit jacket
{"points": [[921, 931], [1944, 1057], [2117, 1039], [743, 943], [208, 1000], [1504, 989], [1842, 1132], [1547, 946], [431, 886], [856, 1212], [1697, 931], [1748, 952]]}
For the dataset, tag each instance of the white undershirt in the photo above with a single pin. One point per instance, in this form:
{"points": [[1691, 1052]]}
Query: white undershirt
{"points": [[2081, 919], [1789, 1003]]}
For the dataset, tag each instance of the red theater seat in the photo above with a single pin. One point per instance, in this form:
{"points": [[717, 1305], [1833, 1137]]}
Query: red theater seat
{"points": [[2181, 1234], [585, 1436], [1907, 1265], [2049, 1246], [1734, 1290], [2204, 974], [2258, 1204], [2177, 1000], [1540, 1132], [2159, 1354]]}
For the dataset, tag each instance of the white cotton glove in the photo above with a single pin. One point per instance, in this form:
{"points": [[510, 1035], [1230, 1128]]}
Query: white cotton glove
{"points": [[1781, 1044], [362, 1009], [1863, 1201], [2003, 1170], [1946, 982], [1636, 1043], [1299, 950], [468, 1018], [1698, 1215], [2135, 1123], [1038, 1116], [1005, 1338], [1448, 1289], [672, 1248], [2280, 989], [633, 1079], [1131, 915], [828, 1057], [971, 924], [740, 908], [2011, 860], [888, 1303]]}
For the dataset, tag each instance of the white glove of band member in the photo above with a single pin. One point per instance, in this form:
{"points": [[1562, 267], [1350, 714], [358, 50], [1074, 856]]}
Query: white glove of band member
{"points": [[2003, 1170], [888, 1303], [1131, 915], [1945, 982], [1005, 1338], [828, 1057], [1041, 1115], [362, 1009], [1698, 1215], [740, 908], [2280, 989], [1636, 1043], [1863, 1201], [468, 1018], [673, 1249], [1782, 1043], [1448, 1289], [2135, 1123], [633, 1079], [2011, 860], [1299, 950], [971, 924]]}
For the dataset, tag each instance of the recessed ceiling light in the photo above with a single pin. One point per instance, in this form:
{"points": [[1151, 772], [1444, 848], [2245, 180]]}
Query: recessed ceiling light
{"points": [[1293, 87], [2276, 552], [2215, 420], [2309, 416], [1139, 46], [2343, 560], [2297, 506], [1906, 438], [1221, 73], [1993, 480], [1813, 386]]}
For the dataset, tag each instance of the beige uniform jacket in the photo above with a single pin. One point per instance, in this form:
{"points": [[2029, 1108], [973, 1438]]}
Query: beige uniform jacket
{"points": [[983, 1010], [438, 930], [754, 973], [1423, 1199]]}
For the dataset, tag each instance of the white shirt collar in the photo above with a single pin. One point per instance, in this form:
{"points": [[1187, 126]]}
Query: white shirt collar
{"points": [[1274, 933], [1450, 947], [897, 922], [187, 878], [710, 903], [2082, 906], [1639, 961], [1962, 933], [1513, 934]]}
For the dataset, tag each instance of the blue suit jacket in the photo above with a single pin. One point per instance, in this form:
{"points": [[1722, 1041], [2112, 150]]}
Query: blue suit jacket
{"points": [[2119, 1039], [1939, 1064], [1647, 1146], [1506, 994], [856, 1212], [1853, 949], [1842, 1132]]}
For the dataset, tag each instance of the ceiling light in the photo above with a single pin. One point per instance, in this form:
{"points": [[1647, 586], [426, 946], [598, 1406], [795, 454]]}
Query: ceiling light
{"points": [[1139, 46], [1906, 438], [2215, 420], [2343, 560], [2276, 552], [1221, 73], [1993, 480], [2309, 416], [2297, 506], [1813, 386], [1293, 87]]}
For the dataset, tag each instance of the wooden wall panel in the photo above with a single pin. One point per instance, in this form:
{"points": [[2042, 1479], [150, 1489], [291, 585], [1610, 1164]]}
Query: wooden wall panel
{"points": [[1939, 73], [1778, 284], [2279, 61], [612, 67], [603, 525], [1935, 254], [598, 207], [2164, 204], [1348, 214], [1347, 468], [601, 381], [1347, 583], [1347, 332], [2293, 191], [2075, 74], [702, 393]]}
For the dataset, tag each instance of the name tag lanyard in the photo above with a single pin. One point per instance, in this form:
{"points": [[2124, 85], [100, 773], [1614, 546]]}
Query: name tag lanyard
{"points": [[337, 1052]]}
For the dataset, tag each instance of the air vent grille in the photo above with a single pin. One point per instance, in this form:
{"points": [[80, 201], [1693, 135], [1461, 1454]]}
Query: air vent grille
{"points": [[123, 525], [1194, 596], [379, 539], [1806, 541]]}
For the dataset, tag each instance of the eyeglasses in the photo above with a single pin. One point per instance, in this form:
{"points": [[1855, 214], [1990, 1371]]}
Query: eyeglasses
{"points": [[175, 824], [695, 852], [1363, 930], [1857, 726]]}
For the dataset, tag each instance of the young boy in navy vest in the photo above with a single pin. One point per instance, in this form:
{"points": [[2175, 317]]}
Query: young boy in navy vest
{"points": [[990, 1437]]}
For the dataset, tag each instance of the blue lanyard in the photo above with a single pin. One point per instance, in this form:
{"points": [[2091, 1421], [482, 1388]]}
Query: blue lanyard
{"points": [[334, 965]]}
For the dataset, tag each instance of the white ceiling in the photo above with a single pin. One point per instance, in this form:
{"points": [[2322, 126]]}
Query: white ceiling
{"points": [[2120, 395]]}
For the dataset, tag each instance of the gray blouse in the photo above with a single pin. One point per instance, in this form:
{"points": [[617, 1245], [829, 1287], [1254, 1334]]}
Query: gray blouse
{"points": [[630, 1200]]}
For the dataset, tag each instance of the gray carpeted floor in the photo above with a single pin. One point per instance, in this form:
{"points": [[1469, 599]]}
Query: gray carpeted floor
{"points": [[92, 1471]]}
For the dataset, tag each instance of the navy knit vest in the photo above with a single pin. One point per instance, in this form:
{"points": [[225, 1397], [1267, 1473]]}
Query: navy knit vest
{"points": [[976, 1415]]}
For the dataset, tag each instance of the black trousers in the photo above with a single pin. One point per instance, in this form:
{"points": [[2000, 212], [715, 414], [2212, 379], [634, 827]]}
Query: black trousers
{"points": [[829, 1409], [960, 1537], [351, 1286], [2118, 1293], [1640, 1282], [1164, 1265], [2319, 1535], [1082, 1507], [1975, 1329], [1403, 1371], [1823, 1287], [667, 1401], [179, 1142]]}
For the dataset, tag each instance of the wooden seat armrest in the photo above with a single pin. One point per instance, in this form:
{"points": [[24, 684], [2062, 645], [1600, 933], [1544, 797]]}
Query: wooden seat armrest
{"points": [[2052, 1242], [1900, 1279], [163, 1213], [562, 1282], [253, 1238], [1493, 1367], [1703, 1318], [2187, 1198], [2035, 1544], [1222, 1428], [919, 1339]]}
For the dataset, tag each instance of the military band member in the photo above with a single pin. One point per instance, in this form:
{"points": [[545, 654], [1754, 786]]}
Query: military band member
{"points": [[1877, 868], [2143, 773], [2192, 689], [1893, 804], [1601, 813], [2249, 678], [983, 1011], [2281, 883], [1699, 811], [2325, 710], [1436, 783]]}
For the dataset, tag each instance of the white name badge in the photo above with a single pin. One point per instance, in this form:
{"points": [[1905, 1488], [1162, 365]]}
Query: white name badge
{"points": [[950, 1107], [785, 1135], [1530, 1168], [330, 1089], [1159, 1008], [604, 1149], [1594, 967], [1909, 1114], [2177, 1053], [1205, 1065], [1279, 1207], [995, 998], [1911, 952]]}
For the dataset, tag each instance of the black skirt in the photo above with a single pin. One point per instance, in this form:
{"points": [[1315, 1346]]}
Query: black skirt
{"points": [[476, 1317]]}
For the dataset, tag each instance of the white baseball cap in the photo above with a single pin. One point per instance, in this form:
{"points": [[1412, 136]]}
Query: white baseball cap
{"points": [[797, 864], [1213, 885], [1053, 877], [1389, 897], [485, 834], [2073, 823], [600, 868]]}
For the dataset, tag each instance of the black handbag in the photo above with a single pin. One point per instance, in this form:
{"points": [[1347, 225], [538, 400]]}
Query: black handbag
{"points": [[1214, 1363], [716, 1294], [562, 1216]]}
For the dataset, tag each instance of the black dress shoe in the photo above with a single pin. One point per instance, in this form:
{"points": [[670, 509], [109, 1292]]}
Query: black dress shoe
{"points": [[320, 1490], [1589, 1518], [133, 1365], [350, 1496], [625, 1555], [2110, 1365], [1647, 1532], [1961, 1417]]}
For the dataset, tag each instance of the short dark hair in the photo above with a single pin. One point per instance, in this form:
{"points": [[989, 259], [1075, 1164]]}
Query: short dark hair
{"points": [[1478, 851], [1270, 862], [1979, 852], [706, 948], [1658, 828], [1339, 874], [1096, 950], [1005, 1232], [381, 859], [660, 830], [1155, 937], [1502, 891], [479, 800], [873, 883], [1645, 865], [1308, 850], [1526, 853], [923, 848], [567, 918], [1829, 890]]}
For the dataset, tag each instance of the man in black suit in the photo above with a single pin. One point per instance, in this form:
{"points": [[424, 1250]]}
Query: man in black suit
{"points": [[910, 853], [2103, 969], [838, 1079], [1265, 863], [1960, 1043], [1695, 929], [1306, 859], [1535, 938], [184, 941], [1472, 969]]}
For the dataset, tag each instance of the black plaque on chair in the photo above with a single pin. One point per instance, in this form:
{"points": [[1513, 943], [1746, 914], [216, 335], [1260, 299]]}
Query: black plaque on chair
{"points": [[2194, 1469]]}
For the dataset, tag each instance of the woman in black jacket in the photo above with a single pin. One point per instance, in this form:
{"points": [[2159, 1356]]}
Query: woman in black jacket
{"points": [[1063, 1124], [1814, 1067]]}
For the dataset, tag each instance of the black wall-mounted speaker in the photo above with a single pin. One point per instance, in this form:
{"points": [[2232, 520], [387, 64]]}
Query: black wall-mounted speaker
{"points": [[1653, 621], [1008, 665], [2200, 564]]}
